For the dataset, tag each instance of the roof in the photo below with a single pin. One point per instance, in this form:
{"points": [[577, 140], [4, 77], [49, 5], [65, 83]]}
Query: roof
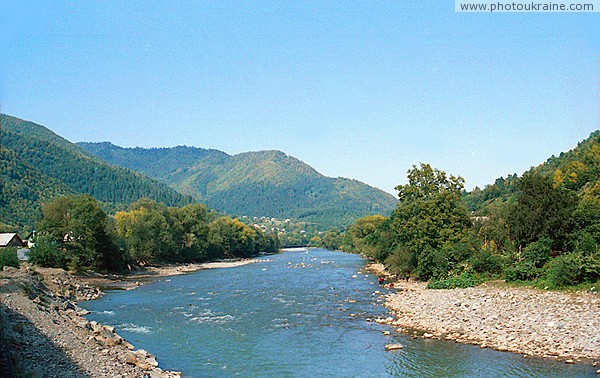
{"points": [[7, 237]]}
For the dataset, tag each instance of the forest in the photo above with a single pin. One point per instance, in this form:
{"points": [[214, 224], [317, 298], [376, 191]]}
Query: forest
{"points": [[257, 183], [542, 228], [75, 233], [37, 165]]}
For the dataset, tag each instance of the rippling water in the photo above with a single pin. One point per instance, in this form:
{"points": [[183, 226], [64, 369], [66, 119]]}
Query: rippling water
{"points": [[296, 314]]}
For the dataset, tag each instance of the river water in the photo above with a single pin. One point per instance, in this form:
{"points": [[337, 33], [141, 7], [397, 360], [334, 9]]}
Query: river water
{"points": [[296, 314]]}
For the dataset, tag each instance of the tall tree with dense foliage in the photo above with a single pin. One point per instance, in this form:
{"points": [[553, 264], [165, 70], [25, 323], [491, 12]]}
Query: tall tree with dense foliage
{"points": [[78, 228], [542, 210], [146, 231], [429, 221], [193, 221]]}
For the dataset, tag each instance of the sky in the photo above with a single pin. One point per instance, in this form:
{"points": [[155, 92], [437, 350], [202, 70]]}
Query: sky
{"points": [[357, 89]]}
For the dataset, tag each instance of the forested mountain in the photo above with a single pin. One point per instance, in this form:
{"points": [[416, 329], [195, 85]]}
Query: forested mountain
{"points": [[263, 183], [542, 228], [577, 170], [38, 165]]}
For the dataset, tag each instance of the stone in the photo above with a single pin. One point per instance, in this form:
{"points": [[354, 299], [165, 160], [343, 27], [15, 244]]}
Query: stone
{"points": [[18, 327], [393, 346], [131, 359]]}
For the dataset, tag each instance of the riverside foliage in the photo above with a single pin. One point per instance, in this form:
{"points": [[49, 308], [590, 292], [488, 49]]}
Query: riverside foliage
{"points": [[543, 227], [75, 233]]}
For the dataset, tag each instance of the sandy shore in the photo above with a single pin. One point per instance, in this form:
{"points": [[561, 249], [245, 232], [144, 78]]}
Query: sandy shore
{"points": [[44, 334], [565, 326]]}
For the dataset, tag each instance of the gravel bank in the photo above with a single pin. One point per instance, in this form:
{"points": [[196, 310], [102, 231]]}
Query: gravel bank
{"points": [[564, 326], [43, 332]]}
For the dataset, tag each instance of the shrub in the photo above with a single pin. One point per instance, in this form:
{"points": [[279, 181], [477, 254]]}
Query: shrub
{"points": [[432, 264], [522, 271], [46, 253], [538, 253], [465, 279], [572, 269], [530, 262], [484, 261], [8, 257]]}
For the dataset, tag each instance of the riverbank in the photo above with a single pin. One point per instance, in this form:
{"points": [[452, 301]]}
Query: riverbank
{"points": [[559, 325], [44, 334]]}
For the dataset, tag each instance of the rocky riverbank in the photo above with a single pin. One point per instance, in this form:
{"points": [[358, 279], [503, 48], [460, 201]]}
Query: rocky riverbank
{"points": [[43, 333], [564, 326]]}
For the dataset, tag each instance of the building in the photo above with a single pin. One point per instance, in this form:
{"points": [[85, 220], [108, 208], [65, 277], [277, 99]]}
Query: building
{"points": [[11, 240]]}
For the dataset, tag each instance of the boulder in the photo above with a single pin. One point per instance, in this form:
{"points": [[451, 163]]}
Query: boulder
{"points": [[393, 346]]}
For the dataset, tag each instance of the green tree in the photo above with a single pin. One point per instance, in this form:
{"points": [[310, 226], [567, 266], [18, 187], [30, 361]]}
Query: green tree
{"points": [[365, 235], [78, 227], [229, 238], [429, 217], [146, 231], [193, 221], [541, 210]]}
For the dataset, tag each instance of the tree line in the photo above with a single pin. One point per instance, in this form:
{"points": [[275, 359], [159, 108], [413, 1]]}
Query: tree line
{"points": [[546, 233], [74, 233]]}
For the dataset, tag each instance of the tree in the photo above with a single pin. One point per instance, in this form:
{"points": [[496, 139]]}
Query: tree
{"points": [[365, 235], [231, 238], [77, 226], [429, 216], [541, 210], [146, 231], [192, 237]]}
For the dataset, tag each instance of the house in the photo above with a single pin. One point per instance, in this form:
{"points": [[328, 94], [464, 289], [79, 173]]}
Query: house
{"points": [[11, 240]]}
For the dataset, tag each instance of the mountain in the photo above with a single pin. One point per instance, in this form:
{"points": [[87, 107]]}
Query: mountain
{"points": [[577, 170], [37, 165], [261, 183]]}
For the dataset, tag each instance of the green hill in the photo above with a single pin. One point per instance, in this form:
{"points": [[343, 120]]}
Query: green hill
{"points": [[577, 170], [262, 183], [37, 165]]}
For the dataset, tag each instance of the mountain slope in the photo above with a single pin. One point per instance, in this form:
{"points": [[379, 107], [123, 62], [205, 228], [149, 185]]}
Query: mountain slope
{"points": [[262, 183], [40, 164], [577, 170]]}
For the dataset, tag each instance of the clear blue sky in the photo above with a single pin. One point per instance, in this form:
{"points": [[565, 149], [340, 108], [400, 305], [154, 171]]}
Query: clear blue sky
{"points": [[359, 89]]}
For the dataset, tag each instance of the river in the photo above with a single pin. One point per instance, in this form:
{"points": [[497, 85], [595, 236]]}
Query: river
{"points": [[295, 314]]}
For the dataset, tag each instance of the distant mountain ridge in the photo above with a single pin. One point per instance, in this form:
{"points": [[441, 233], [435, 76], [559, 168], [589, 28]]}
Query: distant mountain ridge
{"points": [[38, 165], [259, 183]]}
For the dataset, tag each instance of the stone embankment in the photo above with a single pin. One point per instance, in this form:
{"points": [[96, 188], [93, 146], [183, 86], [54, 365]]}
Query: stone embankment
{"points": [[43, 332], [565, 326]]}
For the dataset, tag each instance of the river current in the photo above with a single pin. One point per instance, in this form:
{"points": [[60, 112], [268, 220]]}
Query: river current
{"points": [[300, 313]]}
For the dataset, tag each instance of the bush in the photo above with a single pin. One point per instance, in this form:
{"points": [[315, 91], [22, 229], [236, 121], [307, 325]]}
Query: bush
{"points": [[530, 262], [465, 279], [432, 264], [45, 253], [484, 261], [538, 253], [573, 269], [8, 257], [522, 271], [398, 263]]}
